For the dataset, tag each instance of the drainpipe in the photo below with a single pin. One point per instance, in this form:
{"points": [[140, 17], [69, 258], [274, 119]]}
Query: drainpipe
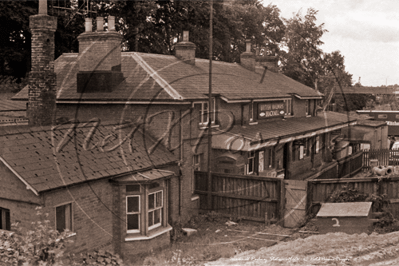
{"points": [[181, 162]]}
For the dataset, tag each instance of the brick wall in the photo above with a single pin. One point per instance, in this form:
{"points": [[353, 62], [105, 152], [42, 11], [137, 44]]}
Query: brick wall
{"points": [[99, 51], [92, 213], [42, 79], [15, 197]]}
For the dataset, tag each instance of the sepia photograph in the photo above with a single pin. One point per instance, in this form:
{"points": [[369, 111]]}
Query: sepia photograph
{"points": [[187, 132]]}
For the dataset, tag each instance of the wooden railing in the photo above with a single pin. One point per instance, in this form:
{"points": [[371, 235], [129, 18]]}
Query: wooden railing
{"points": [[320, 191], [241, 196], [381, 157]]}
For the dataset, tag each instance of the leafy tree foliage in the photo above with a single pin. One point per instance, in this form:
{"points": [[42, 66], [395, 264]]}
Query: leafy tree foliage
{"points": [[41, 245], [302, 56], [161, 23], [15, 37]]}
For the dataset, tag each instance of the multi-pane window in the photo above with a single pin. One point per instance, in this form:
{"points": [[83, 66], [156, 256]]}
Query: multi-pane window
{"points": [[155, 206], [133, 213], [144, 207], [63, 217], [5, 223], [205, 115]]}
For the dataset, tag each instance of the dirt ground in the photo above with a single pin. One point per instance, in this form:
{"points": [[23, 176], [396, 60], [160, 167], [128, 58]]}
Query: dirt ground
{"points": [[329, 249]]}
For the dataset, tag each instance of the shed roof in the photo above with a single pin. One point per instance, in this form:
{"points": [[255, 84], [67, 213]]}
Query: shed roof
{"points": [[253, 137], [165, 77], [46, 158], [345, 209]]}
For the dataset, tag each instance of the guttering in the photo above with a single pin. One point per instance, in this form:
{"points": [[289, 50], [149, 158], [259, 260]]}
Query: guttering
{"points": [[19, 177], [308, 97], [376, 111], [256, 100], [271, 142], [121, 102]]}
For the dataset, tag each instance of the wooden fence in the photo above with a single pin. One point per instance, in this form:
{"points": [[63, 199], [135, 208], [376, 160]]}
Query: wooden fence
{"points": [[381, 157], [342, 168], [246, 197], [320, 191]]}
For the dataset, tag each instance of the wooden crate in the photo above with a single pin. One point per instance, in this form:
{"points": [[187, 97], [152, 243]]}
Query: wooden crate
{"points": [[347, 217]]}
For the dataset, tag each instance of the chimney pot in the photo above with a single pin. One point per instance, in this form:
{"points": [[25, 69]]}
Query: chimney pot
{"points": [[247, 58], [185, 50], [111, 23], [42, 7], [100, 24], [248, 45], [186, 36], [88, 24]]}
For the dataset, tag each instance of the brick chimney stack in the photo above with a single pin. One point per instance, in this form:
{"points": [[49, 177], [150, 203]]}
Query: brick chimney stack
{"points": [[42, 79], [185, 50], [99, 57], [247, 58]]}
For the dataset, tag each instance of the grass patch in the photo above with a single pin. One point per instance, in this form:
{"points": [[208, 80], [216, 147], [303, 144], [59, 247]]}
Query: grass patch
{"points": [[213, 240]]}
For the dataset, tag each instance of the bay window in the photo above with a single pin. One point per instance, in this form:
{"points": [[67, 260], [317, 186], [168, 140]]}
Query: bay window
{"points": [[145, 208], [133, 214], [155, 206]]}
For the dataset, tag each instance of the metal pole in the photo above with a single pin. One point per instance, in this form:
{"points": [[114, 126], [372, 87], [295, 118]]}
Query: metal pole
{"points": [[209, 197]]}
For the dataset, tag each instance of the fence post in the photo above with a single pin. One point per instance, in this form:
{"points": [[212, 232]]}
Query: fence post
{"points": [[281, 202]]}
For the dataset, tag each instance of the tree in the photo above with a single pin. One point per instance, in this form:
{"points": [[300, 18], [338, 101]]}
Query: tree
{"points": [[15, 37], [301, 57]]}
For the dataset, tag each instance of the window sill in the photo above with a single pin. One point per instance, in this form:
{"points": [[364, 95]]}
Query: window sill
{"points": [[194, 197], [151, 234], [71, 234], [253, 123], [205, 126]]}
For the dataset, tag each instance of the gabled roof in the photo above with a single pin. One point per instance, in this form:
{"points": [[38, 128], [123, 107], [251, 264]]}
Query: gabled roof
{"points": [[46, 158], [253, 137], [151, 77]]}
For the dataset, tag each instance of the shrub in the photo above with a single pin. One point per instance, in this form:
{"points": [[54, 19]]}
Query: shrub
{"points": [[41, 245]]}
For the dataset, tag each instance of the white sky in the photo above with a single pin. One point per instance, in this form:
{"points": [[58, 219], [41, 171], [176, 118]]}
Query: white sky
{"points": [[366, 32]]}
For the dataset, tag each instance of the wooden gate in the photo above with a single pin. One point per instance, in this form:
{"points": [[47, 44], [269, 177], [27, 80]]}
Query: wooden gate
{"points": [[295, 202]]}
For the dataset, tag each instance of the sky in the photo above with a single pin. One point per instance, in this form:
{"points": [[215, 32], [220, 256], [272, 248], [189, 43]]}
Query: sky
{"points": [[366, 32]]}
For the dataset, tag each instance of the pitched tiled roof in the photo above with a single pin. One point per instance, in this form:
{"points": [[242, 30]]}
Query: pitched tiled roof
{"points": [[164, 77], [279, 131], [48, 158]]}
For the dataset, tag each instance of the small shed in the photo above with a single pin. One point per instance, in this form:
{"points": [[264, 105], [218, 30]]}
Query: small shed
{"points": [[347, 217]]}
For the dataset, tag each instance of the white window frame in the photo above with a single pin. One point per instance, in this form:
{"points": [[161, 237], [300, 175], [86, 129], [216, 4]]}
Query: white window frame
{"points": [[317, 144], [153, 210], [307, 107], [133, 213], [68, 214], [204, 113], [204, 117]]}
